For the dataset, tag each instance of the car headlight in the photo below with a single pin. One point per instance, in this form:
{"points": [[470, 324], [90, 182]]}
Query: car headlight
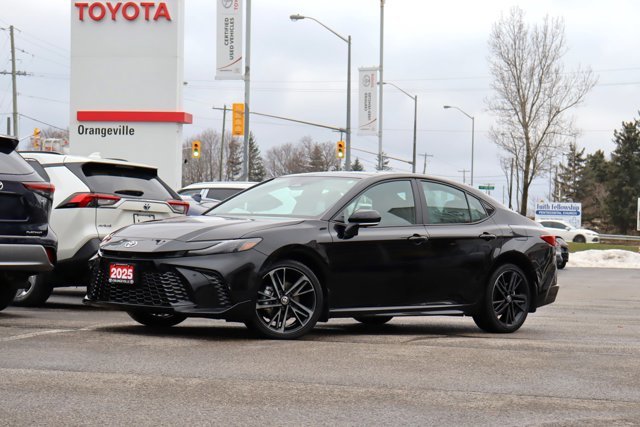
{"points": [[227, 246]]}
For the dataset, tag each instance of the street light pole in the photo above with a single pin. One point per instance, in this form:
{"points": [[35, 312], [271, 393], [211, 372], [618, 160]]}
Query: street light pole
{"points": [[473, 131], [415, 121], [347, 157]]}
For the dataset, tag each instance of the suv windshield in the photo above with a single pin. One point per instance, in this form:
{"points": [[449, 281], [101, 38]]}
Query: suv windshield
{"points": [[299, 196], [128, 181]]}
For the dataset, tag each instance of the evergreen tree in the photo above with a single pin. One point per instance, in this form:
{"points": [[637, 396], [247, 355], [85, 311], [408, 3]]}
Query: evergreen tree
{"points": [[257, 171], [624, 177], [594, 178], [357, 166], [316, 159], [234, 161], [385, 162], [570, 176]]}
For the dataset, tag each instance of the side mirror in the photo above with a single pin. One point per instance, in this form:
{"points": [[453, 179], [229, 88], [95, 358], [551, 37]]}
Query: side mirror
{"points": [[365, 218], [360, 218]]}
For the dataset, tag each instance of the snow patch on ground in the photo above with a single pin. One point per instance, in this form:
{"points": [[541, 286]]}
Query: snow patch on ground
{"points": [[610, 258]]}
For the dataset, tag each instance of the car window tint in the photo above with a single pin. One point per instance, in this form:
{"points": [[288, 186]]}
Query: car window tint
{"points": [[125, 181], [221, 193], [11, 163], [393, 200], [476, 209], [192, 192], [445, 204]]}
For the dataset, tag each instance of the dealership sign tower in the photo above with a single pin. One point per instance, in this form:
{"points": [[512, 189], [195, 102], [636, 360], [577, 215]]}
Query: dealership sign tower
{"points": [[126, 82]]}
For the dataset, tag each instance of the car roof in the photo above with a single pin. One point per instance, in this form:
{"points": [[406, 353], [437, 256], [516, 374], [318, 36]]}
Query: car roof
{"points": [[46, 158], [220, 184]]}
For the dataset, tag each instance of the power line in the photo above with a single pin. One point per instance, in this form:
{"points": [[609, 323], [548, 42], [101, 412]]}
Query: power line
{"points": [[41, 122]]}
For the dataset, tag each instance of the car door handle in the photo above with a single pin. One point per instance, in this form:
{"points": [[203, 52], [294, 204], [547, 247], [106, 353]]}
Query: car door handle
{"points": [[487, 236], [418, 239]]}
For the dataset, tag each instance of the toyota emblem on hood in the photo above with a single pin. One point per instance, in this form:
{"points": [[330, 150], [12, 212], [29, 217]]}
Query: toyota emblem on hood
{"points": [[130, 244]]}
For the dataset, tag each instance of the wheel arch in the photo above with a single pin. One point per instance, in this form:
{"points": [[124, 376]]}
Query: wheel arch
{"points": [[520, 260], [312, 260]]}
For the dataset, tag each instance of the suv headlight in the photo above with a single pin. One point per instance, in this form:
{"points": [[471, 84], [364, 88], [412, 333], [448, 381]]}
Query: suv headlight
{"points": [[227, 246]]}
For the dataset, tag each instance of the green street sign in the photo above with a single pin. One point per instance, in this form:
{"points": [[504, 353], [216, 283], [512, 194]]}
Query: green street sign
{"points": [[486, 187]]}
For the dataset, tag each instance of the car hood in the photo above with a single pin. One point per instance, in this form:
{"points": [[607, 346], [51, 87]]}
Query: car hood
{"points": [[200, 228]]}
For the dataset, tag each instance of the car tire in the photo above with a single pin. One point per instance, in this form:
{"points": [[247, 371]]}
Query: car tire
{"points": [[6, 295], [580, 239], [157, 320], [562, 264], [288, 301], [506, 301], [373, 320], [36, 294]]}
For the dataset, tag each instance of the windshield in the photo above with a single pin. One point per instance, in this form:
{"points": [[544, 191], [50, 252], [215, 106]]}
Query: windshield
{"points": [[296, 196]]}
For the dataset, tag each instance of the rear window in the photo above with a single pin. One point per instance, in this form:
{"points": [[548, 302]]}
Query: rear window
{"points": [[222, 193], [11, 163], [126, 181]]}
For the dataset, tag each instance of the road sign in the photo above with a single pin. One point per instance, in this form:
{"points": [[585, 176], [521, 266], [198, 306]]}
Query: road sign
{"points": [[566, 211], [487, 187]]}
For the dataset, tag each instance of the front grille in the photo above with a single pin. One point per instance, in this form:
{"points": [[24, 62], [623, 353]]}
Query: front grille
{"points": [[153, 288]]}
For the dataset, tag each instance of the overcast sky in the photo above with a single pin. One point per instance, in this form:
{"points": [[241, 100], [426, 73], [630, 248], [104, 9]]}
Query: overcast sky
{"points": [[437, 50]]}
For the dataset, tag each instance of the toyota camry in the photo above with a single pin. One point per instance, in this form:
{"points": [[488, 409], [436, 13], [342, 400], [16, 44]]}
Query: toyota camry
{"points": [[300, 249]]}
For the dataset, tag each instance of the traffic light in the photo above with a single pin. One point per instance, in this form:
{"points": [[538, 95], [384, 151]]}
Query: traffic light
{"points": [[340, 149], [238, 119], [36, 132], [195, 149]]}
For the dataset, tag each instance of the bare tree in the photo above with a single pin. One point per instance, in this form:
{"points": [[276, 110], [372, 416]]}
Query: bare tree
{"points": [[285, 159], [533, 94]]}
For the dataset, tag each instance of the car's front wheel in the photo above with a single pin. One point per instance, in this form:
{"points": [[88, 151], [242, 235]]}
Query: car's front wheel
{"points": [[580, 239], [157, 320], [506, 301], [288, 302], [36, 293]]}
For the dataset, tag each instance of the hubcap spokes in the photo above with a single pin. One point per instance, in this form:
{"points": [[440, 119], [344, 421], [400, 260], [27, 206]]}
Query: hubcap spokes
{"points": [[286, 300], [510, 301]]}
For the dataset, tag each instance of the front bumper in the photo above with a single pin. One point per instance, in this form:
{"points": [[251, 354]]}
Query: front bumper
{"points": [[216, 286]]}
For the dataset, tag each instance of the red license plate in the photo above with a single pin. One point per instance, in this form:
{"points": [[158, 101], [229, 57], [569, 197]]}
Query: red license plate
{"points": [[122, 273]]}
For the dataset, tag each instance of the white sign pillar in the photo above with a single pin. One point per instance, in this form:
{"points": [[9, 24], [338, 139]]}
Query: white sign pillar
{"points": [[126, 82]]}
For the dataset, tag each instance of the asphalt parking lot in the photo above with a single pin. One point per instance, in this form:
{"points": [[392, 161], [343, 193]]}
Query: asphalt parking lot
{"points": [[574, 362]]}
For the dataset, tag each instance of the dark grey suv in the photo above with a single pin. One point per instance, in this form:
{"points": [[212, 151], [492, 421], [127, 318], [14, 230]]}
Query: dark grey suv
{"points": [[27, 244]]}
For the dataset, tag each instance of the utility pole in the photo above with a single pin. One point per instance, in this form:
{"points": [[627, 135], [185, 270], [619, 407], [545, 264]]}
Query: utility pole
{"points": [[424, 166], [464, 175], [14, 73], [224, 120], [380, 104]]}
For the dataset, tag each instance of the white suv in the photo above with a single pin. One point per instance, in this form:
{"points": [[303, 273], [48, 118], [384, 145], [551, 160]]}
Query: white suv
{"points": [[93, 198]]}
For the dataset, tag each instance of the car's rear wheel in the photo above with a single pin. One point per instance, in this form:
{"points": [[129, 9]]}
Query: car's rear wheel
{"points": [[288, 302], [373, 320], [6, 295], [506, 301], [157, 320], [561, 264], [36, 294]]}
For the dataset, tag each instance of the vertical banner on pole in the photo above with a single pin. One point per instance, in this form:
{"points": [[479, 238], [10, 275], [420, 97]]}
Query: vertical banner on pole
{"points": [[229, 40], [368, 101]]}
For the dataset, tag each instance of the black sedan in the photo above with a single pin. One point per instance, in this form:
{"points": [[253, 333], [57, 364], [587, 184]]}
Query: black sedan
{"points": [[300, 249]]}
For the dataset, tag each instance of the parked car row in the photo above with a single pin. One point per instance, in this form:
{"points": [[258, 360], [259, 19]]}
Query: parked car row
{"points": [[278, 256]]}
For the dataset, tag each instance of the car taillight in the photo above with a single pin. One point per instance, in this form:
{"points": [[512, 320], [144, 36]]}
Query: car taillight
{"points": [[51, 254], [549, 239], [45, 189], [88, 200], [179, 206]]}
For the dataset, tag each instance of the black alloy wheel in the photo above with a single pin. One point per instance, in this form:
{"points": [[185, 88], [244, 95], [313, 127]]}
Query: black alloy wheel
{"points": [[506, 301], [373, 320], [288, 303], [157, 320]]}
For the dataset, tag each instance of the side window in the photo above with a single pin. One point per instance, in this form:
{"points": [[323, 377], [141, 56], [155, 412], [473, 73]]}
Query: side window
{"points": [[477, 210], [393, 200], [445, 205]]}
